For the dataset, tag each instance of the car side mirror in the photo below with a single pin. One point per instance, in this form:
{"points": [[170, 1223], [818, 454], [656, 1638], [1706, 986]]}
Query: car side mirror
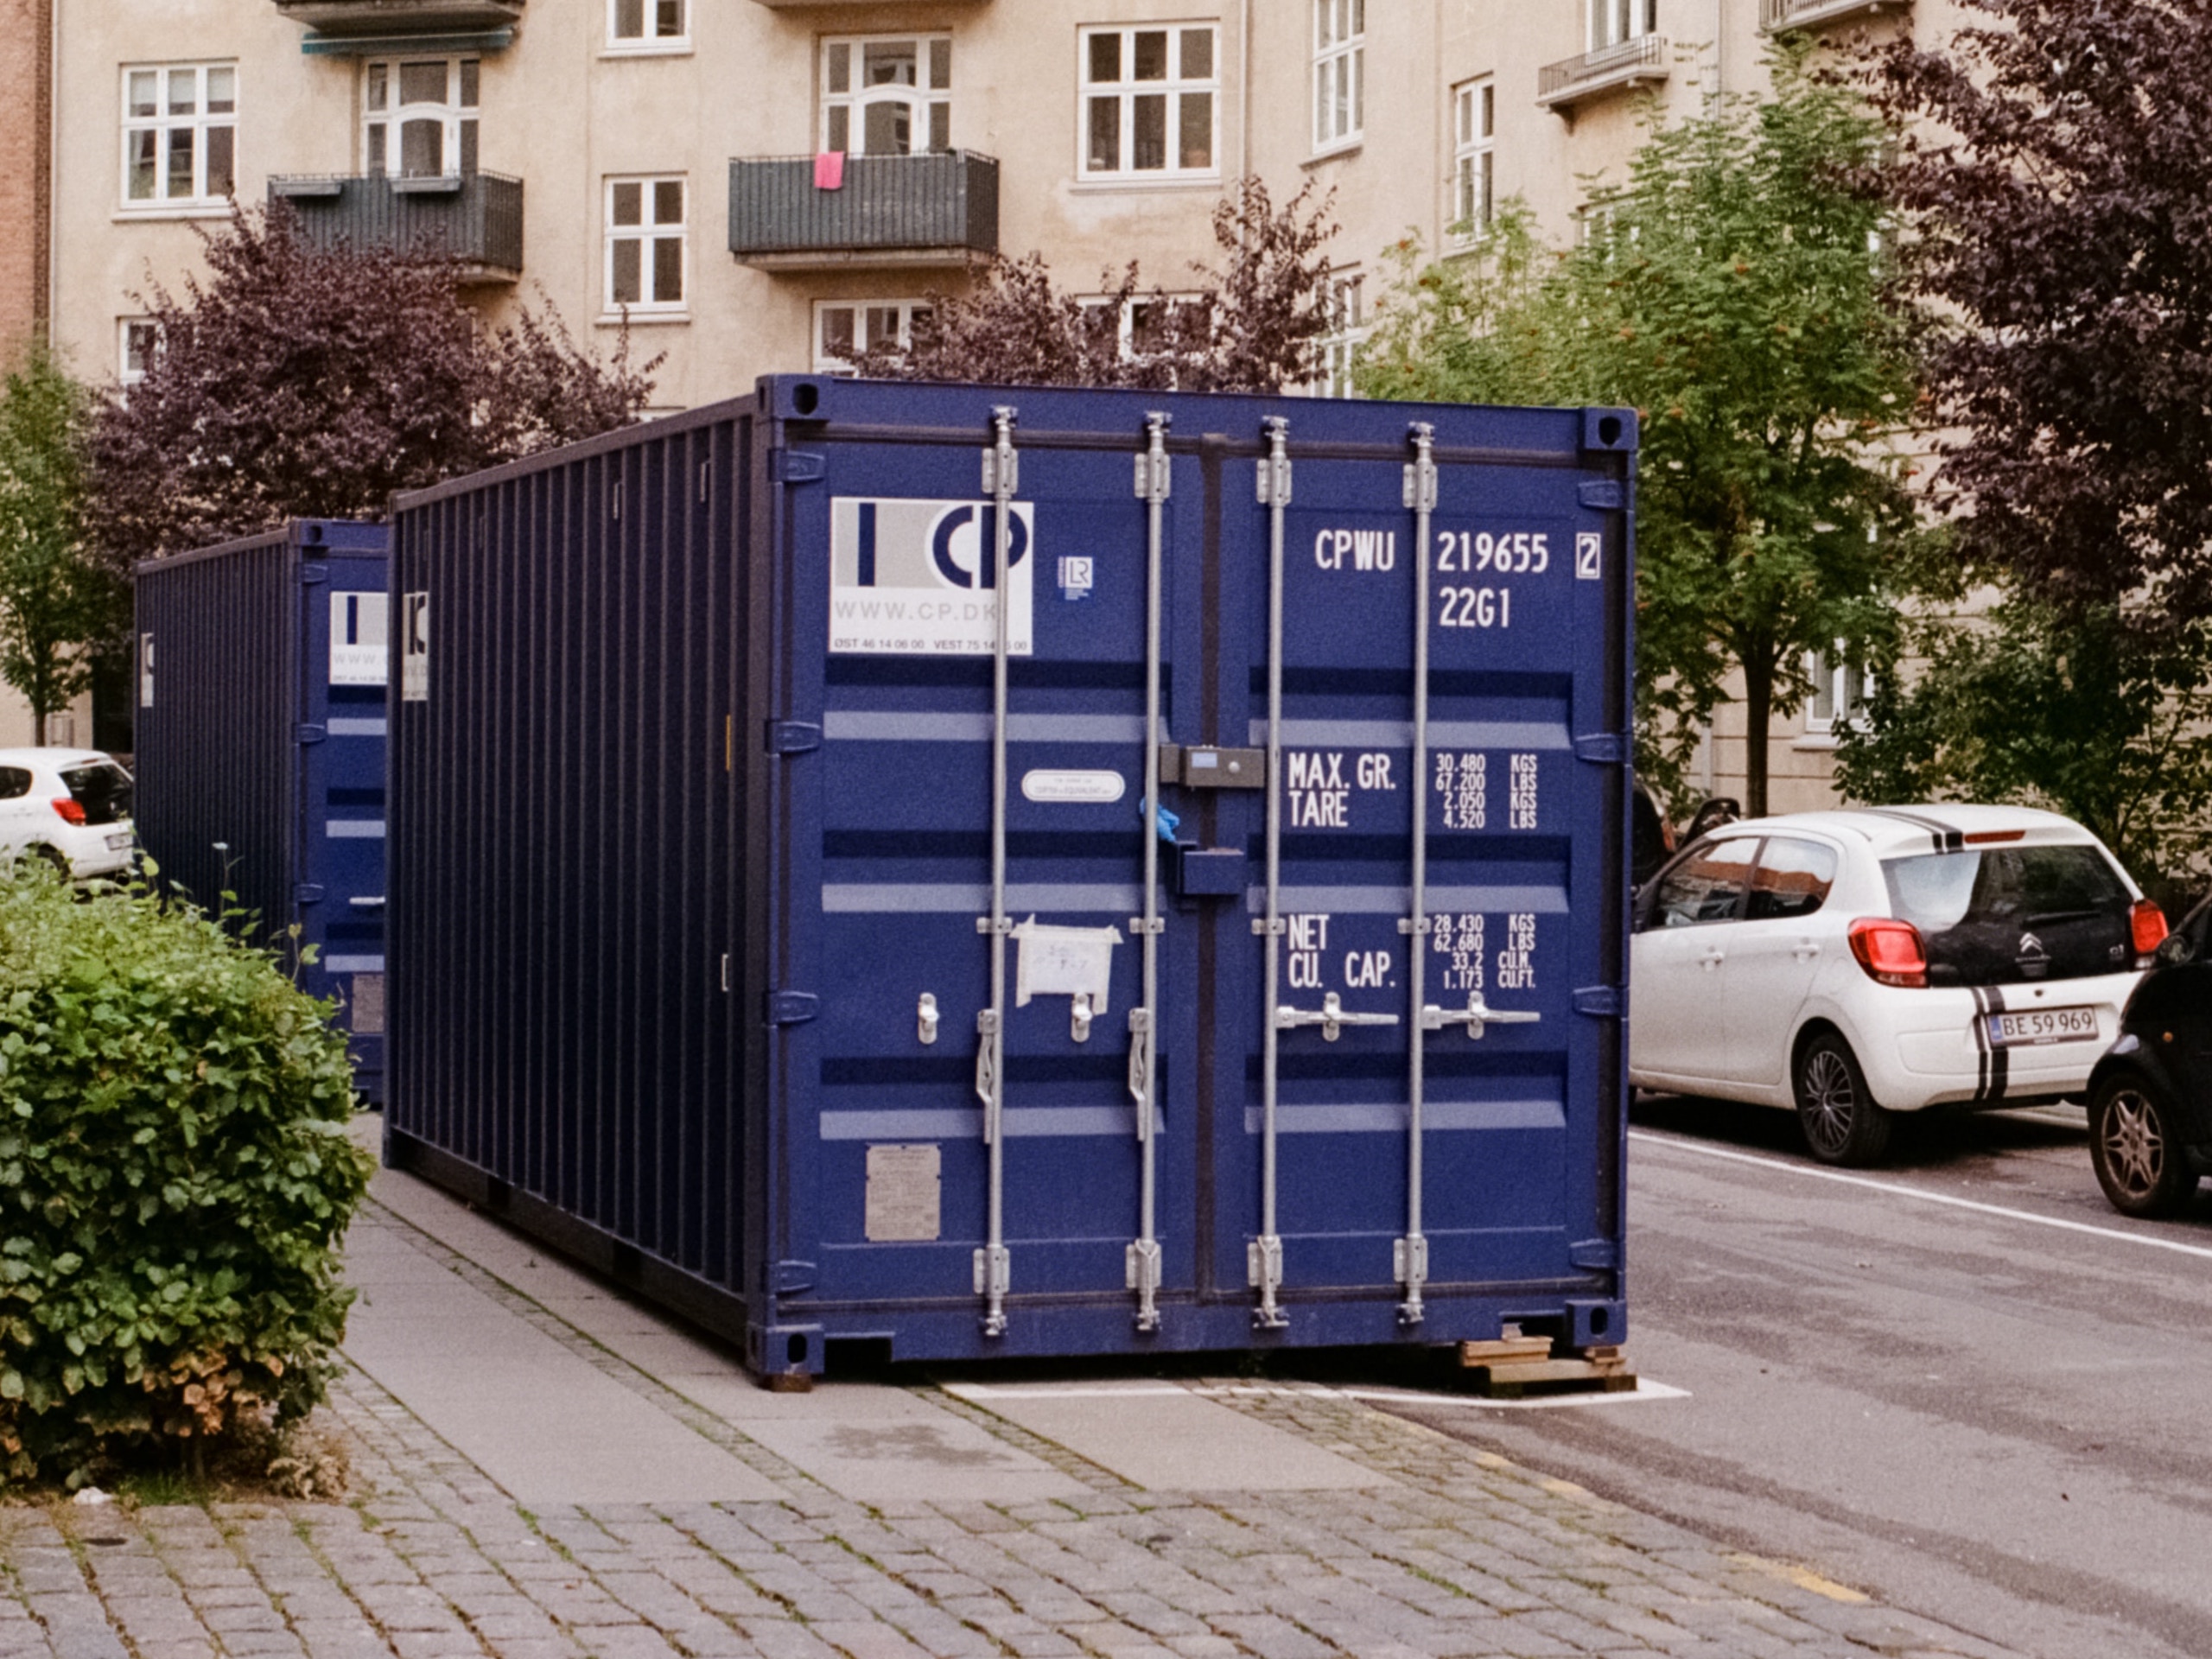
{"points": [[2176, 949]]}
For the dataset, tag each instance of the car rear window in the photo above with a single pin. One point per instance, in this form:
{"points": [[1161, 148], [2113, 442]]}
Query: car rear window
{"points": [[14, 782], [2005, 915], [1705, 886], [1793, 878], [103, 789]]}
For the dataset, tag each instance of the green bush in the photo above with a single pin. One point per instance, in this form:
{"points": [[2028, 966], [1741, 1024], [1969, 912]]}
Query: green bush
{"points": [[175, 1177]]}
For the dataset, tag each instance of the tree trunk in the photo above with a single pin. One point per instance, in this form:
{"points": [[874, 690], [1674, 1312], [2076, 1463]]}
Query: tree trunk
{"points": [[1758, 719]]}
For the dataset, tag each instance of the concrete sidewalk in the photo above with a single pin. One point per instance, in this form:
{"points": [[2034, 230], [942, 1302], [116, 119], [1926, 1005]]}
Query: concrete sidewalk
{"points": [[542, 1467]]}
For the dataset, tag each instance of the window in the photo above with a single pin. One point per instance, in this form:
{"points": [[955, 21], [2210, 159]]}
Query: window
{"points": [[645, 244], [1706, 887], [1474, 126], [887, 97], [420, 116], [648, 24], [1347, 331], [1148, 102], [1613, 22], [1793, 878], [141, 340], [843, 332], [1839, 691], [1141, 327], [1339, 72], [180, 134]]}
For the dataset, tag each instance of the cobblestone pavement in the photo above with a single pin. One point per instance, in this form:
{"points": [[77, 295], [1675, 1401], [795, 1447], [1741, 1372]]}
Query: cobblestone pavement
{"points": [[1464, 1554]]}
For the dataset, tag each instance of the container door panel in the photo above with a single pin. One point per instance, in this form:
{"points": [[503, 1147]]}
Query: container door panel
{"points": [[1513, 637], [894, 567]]}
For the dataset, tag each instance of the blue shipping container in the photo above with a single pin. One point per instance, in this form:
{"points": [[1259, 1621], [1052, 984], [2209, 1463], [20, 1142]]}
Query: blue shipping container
{"points": [[788, 926], [260, 748]]}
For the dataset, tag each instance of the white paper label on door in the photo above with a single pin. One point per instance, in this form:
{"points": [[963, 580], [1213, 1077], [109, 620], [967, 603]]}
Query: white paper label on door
{"points": [[359, 650], [1064, 962], [918, 578]]}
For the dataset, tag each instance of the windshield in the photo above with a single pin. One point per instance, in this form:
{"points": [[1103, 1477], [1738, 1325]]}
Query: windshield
{"points": [[103, 789], [2004, 915]]}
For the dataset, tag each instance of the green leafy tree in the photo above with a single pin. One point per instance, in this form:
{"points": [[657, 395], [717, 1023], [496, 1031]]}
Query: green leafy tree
{"points": [[1732, 289], [57, 606], [2069, 706]]}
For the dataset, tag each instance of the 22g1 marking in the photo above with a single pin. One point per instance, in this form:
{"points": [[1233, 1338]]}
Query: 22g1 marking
{"points": [[1472, 552], [1475, 607]]}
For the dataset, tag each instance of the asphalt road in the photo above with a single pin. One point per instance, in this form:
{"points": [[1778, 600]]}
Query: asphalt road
{"points": [[1984, 1417]]}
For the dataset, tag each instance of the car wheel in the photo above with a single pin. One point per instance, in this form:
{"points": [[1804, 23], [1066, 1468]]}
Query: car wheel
{"points": [[1841, 1121], [2138, 1159]]}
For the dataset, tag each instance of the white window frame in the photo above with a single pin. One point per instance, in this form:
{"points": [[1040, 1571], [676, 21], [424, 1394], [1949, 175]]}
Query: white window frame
{"points": [[1474, 158], [1615, 22], [1339, 74], [1840, 686], [648, 41], [926, 96], [1349, 327], [649, 230], [1175, 89], [1126, 324], [164, 128], [904, 311], [456, 114], [126, 375]]}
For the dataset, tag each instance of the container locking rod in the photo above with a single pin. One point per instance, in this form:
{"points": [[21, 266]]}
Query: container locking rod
{"points": [[994, 1269], [1155, 477], [1265, 1254], [1411, 1252]]}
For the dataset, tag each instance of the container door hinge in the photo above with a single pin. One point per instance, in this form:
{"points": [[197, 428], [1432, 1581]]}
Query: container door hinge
{"points": [[311, 575], [1598, 1002], [1594, 1253], [1602, 495], [792, 1007], [1603, 749], [307, 893], [792, 1276], [309, 734], [793, 736], [797, 466]]}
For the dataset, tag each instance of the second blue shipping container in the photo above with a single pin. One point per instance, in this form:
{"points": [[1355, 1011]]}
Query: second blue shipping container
{"points": [[260, 750]]}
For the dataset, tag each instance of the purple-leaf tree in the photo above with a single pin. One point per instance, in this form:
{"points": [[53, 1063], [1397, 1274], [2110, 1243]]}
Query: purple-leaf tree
{"points": [[1254, 324], [298, 381]]}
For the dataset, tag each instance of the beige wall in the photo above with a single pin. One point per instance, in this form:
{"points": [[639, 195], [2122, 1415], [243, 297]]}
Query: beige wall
{"points": [[562, 111]]}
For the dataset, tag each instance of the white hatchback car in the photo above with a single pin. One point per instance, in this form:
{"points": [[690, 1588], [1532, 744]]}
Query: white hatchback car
{"points": [[1855, 964], [69, 806]]}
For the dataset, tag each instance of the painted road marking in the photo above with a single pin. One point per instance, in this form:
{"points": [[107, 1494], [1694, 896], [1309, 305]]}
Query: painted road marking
{"points": [[1837, 1175], [1803, 1577], [982, 1393]]}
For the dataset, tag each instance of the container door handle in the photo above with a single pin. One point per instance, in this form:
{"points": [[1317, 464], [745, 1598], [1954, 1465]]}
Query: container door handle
{"points": [[1331, 1016], [1478, 1016]]}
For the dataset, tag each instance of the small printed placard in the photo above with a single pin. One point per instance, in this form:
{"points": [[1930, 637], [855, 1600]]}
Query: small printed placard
{"points": [[905, 1189], [359, 648], [1064, 962], [1095, 788]]}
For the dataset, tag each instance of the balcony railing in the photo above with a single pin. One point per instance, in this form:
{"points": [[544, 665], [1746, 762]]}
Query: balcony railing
{"points": [[1775, 16], [1642, 61], [473, 219], [892, 209], [406, 17]]}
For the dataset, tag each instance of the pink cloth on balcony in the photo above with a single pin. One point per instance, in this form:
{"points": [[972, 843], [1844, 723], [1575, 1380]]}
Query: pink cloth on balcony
{"points": [[830, 169]]}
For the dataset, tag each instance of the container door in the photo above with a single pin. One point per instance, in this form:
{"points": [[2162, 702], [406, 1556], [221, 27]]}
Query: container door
{"points": [[984, 1031], [342, 666], [1421, 1106]]}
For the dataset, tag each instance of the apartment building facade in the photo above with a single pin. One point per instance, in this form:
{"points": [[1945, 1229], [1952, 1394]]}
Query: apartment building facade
{"points": [[666, 163]]}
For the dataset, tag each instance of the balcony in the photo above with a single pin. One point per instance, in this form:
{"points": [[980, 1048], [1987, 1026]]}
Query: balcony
{"points": [[349, 28], [473, 219], [1643, 61], [893, 210], [1777, 16]]}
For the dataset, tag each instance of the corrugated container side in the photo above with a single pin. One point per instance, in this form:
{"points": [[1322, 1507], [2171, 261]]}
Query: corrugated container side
{"points": [[565, 890]]}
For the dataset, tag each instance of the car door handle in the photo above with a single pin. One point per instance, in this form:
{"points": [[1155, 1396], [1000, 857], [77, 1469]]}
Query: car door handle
{"points": [[1714, 958], [1806, 951]]}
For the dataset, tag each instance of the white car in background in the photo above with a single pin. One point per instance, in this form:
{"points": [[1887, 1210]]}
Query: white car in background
{"points": [[71, 807], [1856, 964]]}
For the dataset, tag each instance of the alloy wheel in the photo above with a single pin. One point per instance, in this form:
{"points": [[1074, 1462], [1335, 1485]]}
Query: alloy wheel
{"points": [[1829, 1101], [2135, 1151]]}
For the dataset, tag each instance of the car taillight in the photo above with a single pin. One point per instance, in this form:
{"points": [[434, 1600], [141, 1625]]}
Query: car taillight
{"points": [[73, 813], [2148, 923], [1889, 951]]}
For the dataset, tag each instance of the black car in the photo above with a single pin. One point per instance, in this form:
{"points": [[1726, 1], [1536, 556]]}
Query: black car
{"points": [[2151, 1096]]}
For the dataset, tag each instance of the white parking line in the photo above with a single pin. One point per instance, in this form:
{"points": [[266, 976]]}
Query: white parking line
{"points": [[984, 1393], [2173, 1244]]}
